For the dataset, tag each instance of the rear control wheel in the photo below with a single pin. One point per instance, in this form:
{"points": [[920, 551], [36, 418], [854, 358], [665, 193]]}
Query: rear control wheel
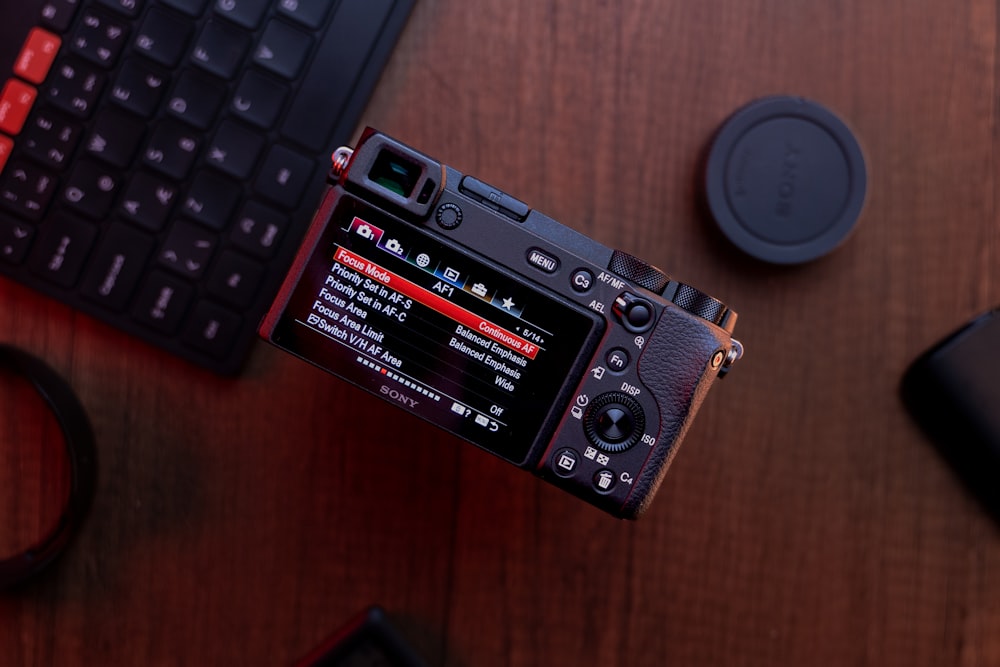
{"points": [[614, 422]]}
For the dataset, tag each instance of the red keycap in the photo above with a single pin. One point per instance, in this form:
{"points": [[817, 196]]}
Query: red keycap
{"points": [[36, 56], [6, 146], [15, 103]]}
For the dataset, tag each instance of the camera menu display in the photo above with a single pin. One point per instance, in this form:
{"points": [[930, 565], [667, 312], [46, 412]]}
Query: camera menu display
{"points": [[441, 333]]}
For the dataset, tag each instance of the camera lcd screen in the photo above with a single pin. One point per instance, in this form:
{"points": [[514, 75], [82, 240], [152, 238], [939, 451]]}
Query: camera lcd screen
{"points": [[436, 331]]}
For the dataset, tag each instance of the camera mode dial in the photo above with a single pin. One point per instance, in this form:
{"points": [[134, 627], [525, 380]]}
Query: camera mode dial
{"points": [[614, 421]]}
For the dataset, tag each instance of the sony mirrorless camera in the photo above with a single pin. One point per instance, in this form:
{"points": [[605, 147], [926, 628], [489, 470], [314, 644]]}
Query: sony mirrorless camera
{"points": [[457, 302]]}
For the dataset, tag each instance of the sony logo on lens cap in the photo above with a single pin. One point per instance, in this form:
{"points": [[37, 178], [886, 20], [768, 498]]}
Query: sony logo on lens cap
{"points": [[785, 180]]}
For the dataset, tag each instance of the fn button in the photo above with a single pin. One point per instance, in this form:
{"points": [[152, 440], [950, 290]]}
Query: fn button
{"points": [[617, 360]]}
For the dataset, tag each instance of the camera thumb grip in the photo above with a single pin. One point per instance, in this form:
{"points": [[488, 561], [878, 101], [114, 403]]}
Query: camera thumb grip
{"points": [[676, 366]]}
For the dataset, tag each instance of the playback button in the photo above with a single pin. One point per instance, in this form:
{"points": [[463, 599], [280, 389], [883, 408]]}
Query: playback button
{"points": [[565, 462]]}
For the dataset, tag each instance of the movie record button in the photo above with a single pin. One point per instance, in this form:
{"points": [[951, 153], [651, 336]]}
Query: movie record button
{"points": [[565, 462]]}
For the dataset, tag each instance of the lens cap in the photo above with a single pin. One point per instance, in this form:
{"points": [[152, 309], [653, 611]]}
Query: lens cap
{"points": [[785, 180]]}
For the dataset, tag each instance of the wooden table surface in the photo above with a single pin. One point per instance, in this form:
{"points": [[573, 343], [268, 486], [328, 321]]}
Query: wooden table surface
{"points": [[805, 521]]}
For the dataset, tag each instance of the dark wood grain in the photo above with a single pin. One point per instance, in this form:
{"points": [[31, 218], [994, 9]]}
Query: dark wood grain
{"points": [[805, 520]]}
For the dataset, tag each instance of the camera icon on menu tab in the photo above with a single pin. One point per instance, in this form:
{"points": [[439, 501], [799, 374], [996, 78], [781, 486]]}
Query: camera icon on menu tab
{"points": [[365, 230], [393, 246]]}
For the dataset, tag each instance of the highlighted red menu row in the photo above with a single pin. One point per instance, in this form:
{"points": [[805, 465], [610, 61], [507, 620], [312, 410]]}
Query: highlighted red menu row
{"points": [[438, 303]]}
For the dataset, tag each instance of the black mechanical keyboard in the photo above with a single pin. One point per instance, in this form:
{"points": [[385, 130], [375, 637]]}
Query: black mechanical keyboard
{"points": [[161, 159]]}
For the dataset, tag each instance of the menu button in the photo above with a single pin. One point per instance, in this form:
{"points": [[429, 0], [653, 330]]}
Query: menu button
{"points": [[543, 261]]}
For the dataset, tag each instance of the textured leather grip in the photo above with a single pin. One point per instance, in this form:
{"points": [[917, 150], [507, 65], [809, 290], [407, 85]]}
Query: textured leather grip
{"points": [[676, 366]]}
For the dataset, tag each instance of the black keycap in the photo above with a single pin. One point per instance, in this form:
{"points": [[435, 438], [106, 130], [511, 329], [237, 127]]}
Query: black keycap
{"points": [[148, 200], [138, 87], [211, 199], [162, 302], [212, 329], [325, 89], [196, 100], [187, 249], [246, 13], [235, 279], [62, 249], [115, 137], [75, 86], [310, 13], [189, 7], [130, 8], [220, 49], [58, 14], [172, 149], [284, 176], [99, 38], [91, 188], [258, 229], [234, 149], [282, 49], [258, 100], [15, 240], [27, 189], [163, 37], [117, 267], [49, 138]]}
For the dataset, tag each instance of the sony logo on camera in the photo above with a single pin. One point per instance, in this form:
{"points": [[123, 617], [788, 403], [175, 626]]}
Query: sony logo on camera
{"points": [[462, 305]]}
